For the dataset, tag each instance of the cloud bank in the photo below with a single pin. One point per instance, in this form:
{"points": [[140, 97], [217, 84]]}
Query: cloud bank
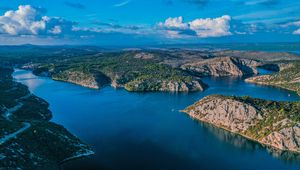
{"points": [[201, 27], [31, 24], [27, 20]]}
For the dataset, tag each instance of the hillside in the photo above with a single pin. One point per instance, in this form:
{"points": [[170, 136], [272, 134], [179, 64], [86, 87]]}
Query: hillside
{"points": [[275, 124], [28, 140], [133, 71], [222, 66], [287, 78]]}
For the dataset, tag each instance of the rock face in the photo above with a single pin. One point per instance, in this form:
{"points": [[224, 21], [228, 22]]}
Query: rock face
{"points": [[228, 113], [144, 55], [285, 139], [171, 86], [76, 77], [248, 117], [182, 86], [222, 66]]}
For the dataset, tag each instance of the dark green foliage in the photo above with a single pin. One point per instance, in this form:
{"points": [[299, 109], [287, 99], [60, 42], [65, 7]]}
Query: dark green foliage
{"points": [[123, 68], [288, 78], [28, 140]]}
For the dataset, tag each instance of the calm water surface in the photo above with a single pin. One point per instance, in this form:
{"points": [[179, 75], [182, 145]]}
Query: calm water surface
{"points": [[147, 131]]}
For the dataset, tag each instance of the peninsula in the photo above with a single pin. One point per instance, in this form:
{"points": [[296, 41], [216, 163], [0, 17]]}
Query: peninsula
{"points": [[271, 123]]}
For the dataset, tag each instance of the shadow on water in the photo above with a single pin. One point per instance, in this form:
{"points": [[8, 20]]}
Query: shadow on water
{"points": [[248, 145]]}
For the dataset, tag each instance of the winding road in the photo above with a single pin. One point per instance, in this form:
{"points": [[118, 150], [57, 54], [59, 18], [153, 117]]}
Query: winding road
{"points": [[7, 116]]}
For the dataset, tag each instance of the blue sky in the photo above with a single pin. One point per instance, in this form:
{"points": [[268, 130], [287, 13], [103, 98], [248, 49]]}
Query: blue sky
{"points": [[140, 22]]}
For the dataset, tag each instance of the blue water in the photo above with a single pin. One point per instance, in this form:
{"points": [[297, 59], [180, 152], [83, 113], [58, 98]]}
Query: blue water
{"points": [[147, 131]]}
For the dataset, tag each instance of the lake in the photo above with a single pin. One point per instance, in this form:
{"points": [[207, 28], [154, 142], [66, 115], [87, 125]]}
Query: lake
{"points": [[147, 130]]}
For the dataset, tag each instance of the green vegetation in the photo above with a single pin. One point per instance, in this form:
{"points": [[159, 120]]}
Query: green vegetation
{"points": [[271, 123], [273, 113], [288, 78], [124, 69], [27, 139]]}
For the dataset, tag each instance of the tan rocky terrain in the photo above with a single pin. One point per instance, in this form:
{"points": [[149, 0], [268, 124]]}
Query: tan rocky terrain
{"points": [[171, 86], [259, 55], [275, 124], [222, 66]]}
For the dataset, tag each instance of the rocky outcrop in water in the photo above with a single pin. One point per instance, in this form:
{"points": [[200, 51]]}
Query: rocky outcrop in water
{"points": [[271, 123], [222, 66]]}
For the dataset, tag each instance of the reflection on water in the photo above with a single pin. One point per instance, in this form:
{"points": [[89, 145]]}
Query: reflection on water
{"points": [[241, 142], [146, 131]]}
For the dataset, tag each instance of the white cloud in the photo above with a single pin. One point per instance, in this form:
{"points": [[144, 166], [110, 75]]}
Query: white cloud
{"points": [[295, 23], [27, 20], [55, 30], [204, 28], [294, 26], [211, 27], [176, 23], [297, 32]]}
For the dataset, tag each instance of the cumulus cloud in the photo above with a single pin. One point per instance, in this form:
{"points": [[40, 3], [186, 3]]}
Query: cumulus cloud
{"points": [[174, 23], [203, 28], [297, 32], [28, 20], [212, 27]]}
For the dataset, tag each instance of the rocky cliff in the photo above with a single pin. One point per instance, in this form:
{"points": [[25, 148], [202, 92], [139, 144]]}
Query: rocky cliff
{"points": [[134, 71], [275, 124], [171, 86], [222, 66], [77, 77]]}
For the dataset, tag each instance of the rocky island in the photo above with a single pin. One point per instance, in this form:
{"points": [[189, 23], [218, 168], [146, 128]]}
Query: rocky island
{"points": [[275, 124], [27, 139]]}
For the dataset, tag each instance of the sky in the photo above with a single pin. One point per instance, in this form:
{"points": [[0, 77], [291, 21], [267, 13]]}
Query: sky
{"points": [[155, 22]]}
